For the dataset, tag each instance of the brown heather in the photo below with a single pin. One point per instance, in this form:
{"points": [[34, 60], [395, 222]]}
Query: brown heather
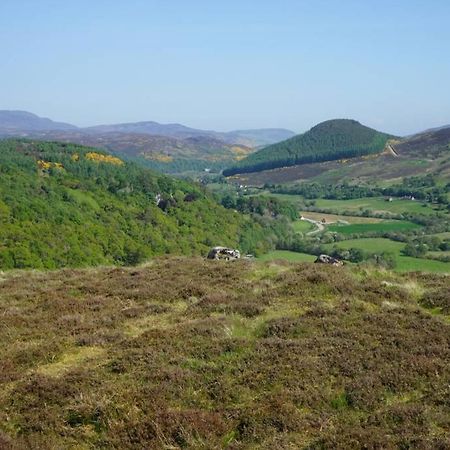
{"points": [[186, 353]]}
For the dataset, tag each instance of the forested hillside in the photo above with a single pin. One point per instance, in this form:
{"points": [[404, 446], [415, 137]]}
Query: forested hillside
{"points": [[330, 140], [68, 205]]}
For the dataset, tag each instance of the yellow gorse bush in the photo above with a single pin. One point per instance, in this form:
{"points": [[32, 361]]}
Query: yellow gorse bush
{"points": [[92, 156], [46, 165]]}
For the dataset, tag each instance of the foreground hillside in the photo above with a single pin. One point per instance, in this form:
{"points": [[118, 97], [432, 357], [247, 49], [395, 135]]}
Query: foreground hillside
{"points": [[68, 205], [186, 353], [328, 141]]}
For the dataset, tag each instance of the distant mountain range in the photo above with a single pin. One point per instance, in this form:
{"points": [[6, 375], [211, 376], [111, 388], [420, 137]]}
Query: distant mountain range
{"points": [[327, 141], [12, 122], [23, 123]]}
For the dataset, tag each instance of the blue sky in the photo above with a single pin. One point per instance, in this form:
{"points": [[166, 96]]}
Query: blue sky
{"points": [[228, 65]]}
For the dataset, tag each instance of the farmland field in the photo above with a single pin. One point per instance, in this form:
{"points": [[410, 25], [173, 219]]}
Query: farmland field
{"points": [[376, 205], [330, 218], [381, 227], [370, 245]]}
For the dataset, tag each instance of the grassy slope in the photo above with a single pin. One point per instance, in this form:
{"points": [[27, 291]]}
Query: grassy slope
{"points": [[190, 354], [330, 140]]}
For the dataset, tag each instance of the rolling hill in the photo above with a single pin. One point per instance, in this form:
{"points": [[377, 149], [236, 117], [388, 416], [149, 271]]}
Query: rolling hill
{"points": [[68, 205], [327, 141], [164, 153]]}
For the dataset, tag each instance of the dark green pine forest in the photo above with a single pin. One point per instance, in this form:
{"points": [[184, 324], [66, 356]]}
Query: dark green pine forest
{"points": [[68, 205], [327, 141]]}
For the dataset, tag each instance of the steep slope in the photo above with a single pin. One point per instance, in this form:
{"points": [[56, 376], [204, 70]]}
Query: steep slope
{"points": [[330, 140], [13, 122], [67, 205], [429, 144]]}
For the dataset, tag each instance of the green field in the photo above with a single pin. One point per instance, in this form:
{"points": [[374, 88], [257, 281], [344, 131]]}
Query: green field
{"points": [[288, 256], [376, 205], [381, 227], [404, 263], [369, 245]]}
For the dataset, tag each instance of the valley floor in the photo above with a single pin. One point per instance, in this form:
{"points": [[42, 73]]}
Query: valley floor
{"points": [[188, 353]]}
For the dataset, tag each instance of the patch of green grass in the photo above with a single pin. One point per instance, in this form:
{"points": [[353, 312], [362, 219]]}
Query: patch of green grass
{"points": [[373, 245], [288, 256], [404, 263], [381, 227], [302, 226], [410, 264]]}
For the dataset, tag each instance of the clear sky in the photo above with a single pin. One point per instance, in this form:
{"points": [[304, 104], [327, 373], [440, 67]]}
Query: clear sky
{"points": [[228, 64]]}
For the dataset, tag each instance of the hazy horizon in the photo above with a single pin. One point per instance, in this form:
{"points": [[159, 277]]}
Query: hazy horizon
{"points": [[225, 67]]}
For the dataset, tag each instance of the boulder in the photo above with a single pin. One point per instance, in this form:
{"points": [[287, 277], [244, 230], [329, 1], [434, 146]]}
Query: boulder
{"points": [[225, 253], [326, 259]]}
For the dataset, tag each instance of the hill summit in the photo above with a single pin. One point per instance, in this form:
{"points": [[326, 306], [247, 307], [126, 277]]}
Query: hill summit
{"points": [[327, 141]]}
